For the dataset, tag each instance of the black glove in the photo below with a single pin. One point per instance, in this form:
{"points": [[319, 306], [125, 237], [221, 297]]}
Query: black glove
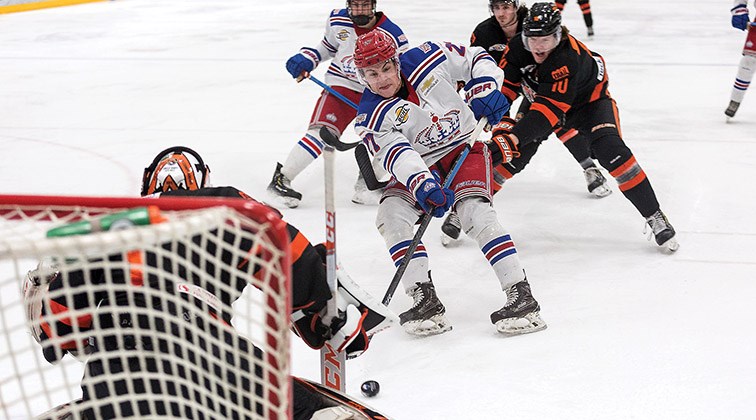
{"points": [[503, 149]]}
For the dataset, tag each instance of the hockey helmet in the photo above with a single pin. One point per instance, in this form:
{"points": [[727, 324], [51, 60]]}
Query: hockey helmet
{"points": [[542, 19], [175, 168], [361, 20], [516, 3], [372, 48]]}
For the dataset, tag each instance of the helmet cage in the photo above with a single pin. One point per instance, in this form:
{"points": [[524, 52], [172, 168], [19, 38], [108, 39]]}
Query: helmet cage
{"points": [[189, 172], [360, 20]]}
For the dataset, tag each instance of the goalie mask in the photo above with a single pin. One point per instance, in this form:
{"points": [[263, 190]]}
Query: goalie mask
{"points": [[175, 168], [362, 18]]}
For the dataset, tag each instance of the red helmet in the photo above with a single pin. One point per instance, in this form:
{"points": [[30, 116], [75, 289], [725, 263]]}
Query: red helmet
{"points": [[372, 48]]}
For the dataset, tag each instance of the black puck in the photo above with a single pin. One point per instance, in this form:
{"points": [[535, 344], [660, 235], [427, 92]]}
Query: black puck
{"points": [[370, 388]]}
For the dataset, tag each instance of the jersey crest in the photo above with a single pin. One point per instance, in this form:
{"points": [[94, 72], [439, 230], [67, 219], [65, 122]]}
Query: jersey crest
{"points": [[441, 130]]}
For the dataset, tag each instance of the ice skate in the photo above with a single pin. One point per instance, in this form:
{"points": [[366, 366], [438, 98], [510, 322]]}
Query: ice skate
{"points": [[426, 316], [663, 232], [280, 189], [596, 182], [362, 195], [590, 30], [732, 109], [520, 314], [450, 229]]}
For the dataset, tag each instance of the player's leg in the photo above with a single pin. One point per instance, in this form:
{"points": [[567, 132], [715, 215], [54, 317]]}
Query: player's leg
{"points": [[743, 79], [472, 191], [585, 8], [329, 111], [577, 145], [397, 215], [614, 155]]}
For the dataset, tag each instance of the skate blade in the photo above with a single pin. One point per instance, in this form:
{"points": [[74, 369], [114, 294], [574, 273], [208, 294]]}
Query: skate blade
{"points": [[289, 202], [671, 245], [437, 324], [530, 323], [370, 198], [448, 241], [601, 191]]}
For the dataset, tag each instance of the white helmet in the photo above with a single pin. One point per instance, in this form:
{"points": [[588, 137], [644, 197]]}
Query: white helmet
{"points": [[175, 168]]}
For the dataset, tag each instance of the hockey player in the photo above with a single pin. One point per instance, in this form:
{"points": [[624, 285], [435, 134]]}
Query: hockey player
{"points": [[342, 28], [568, 84], [414, 122], [585, 7], [179, 171], [747, 65], [493, 34]]}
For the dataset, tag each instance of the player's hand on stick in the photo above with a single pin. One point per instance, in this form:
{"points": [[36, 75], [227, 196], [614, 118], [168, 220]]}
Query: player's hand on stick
{"points": [[485, 99], [299, 66], [434, 198], [503, 149]]}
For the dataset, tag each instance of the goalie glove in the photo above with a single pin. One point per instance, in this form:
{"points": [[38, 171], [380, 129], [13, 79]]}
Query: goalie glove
{"points": [[503, 149], [365, 316]]}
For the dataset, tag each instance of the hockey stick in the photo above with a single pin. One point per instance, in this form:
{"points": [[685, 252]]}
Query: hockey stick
{"points": [[332, 362], [362, 157], [428, 216], [332, 139]]}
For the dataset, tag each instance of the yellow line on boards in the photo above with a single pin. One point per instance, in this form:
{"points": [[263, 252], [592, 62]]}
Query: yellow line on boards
{"points": [[42, 5]]}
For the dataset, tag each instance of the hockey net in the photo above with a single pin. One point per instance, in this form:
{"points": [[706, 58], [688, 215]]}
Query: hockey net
{"points": [[144, 308]]}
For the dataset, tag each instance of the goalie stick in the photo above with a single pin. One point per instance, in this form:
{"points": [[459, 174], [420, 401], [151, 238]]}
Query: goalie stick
{"points": [[332, 362], [428, 216]]}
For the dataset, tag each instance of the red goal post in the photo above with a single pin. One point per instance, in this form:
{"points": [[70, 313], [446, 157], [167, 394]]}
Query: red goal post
{"points": [[169, 284]]}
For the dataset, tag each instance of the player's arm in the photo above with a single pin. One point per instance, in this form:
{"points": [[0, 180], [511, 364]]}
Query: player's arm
{"points": [[557, 90], [50, 299], [307, 59]]}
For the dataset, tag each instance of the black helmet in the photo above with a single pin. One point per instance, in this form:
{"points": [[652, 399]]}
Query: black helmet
{"points": [[516, 3], [542, 19]]}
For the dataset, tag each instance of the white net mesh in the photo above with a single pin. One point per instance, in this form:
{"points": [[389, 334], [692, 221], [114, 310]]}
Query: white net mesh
{"points": [[143, 298]]}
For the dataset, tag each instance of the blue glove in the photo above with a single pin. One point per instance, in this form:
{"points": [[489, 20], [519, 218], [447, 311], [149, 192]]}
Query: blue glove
{"points": [[298, 64], [485, 99], [740, 17], [434, 198]]}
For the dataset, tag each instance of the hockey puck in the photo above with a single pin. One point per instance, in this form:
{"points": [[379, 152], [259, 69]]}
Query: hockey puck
{"points": [[370, 388]]}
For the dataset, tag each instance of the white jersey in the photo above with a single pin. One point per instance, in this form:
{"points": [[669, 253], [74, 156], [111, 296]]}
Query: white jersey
{"points": [[407, 135], [338, 45]]}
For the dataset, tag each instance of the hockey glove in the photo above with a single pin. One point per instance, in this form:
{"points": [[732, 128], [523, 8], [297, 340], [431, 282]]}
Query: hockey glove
{"points": [[299, 65], [503, 149], [503, 127], [740, 17], [485, 99], [433, 198]]}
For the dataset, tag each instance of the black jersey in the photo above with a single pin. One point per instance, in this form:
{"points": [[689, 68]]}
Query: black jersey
{"points": [[489, 35], [571, 77]]}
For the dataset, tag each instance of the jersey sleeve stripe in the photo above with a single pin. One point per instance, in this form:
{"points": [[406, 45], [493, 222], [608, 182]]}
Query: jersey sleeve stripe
{"points": [[376, 117], [393, 154], [426, 66], [328, 46], [546, 112]]}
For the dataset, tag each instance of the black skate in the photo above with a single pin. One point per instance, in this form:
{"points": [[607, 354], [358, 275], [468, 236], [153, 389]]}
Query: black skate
{"points": [[663, 232], [732, 109], [520, 315], [426, 316], [590, 31], [596, 182], [450, 229], [280, 187]]}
